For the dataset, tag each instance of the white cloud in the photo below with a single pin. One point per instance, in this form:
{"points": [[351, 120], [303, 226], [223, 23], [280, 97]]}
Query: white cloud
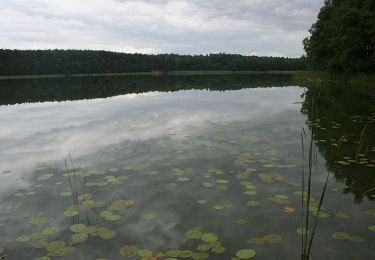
{"points": [[267, 27]]}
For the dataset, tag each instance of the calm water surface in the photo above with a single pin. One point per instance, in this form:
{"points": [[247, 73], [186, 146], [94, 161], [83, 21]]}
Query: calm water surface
{"points": [[197, 168]]}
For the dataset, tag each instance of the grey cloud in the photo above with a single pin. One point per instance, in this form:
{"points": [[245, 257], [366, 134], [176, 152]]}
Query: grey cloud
{"points": [[264, 27]]}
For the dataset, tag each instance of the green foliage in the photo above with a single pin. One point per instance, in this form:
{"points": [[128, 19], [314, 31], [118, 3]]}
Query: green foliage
{"points": [[43, 62], [343, 38]]}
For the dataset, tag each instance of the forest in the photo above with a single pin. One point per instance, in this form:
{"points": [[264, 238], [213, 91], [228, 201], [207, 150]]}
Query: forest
{"points": [[43, 62], [343, 38]]}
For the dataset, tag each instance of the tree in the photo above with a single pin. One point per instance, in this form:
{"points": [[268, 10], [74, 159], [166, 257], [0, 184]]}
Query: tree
{"points": [[343, 38]]}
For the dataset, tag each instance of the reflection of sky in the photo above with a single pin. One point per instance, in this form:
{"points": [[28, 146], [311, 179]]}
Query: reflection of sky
{"points": [[39, 132]]}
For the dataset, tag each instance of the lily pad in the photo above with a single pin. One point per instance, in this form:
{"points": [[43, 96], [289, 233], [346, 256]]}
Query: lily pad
{"points": [[149, 216], [252, 203], [71, 213], [66, 194], [201, 201], [79, 238], [128, 251], [372, 228], [246, 253], [107, 234], [272, 238], [76, 228], [51, 231], [39, 221], [23, 239], [356, 239], [340, 236], [222, 181], [40, 244], [302, 231], [250, 192], [218, 250], [195, 233], [144, 253], [209, 237]]}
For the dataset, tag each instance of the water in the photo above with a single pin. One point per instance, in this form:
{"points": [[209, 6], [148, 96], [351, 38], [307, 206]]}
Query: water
{"points": [[214, 155]]}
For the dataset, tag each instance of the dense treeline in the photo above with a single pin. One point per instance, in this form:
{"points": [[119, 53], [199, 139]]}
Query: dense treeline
{"points": [[343, 38], [79, 88], [37, 62]]}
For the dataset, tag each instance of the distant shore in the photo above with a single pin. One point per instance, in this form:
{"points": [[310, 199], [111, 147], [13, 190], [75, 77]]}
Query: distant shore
{"points": [[170, 73]]}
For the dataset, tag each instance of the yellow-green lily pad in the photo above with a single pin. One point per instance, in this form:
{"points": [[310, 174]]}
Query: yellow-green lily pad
{"points": [[144, 253], [195, 233], [246, 253], [209, 237], [128, 251], [340, 236], [76, 228]]}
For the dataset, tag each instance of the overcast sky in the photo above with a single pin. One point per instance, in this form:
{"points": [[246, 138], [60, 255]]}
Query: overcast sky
{"points": [[259, 27]]}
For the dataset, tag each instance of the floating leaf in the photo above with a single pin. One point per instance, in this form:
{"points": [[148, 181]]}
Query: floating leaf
{"points": [[204, 247], [79, 238], [183, 179], [218, 250], [371, 212], [252, 203], [149, 216], [23, 239], [241, 221], [272, 239], [208, 184], [195, 233], [250, 192], [246, 253], [302, 231], [372, 228], [39, 221], [340, 236], [71, 213], [281, 197], [144, 253], [202, 201], [40, 244], [222, 181], [107, 234], [356, 239], [209, 237], [45, 177], [66, 194], [51, 231], [270, 177], [76, 228], [128, 251]]}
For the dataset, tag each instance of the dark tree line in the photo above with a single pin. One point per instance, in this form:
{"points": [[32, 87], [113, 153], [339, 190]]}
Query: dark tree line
{"points": [[343, 38], [34, 62]]}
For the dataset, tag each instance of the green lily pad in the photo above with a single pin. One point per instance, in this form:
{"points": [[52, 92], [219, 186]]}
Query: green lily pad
{"points": [[370, 212], [64, 251], [250, 192], [204, 247], [222, 181], [40, 244], [246, 253], [71, 213], [207, 184], [302, 231], [144, 253], [66, 194], [51, 231], [218, 250], [39, 221], [241, 221], [23, 239], [356, 239], [340, 236], [149, 216], [219, 207], [341, 215], [198, 256], [183, 179], [202, 201], [372, 228], [76, 228], [45, 177], [272, 238], [252, 203], [79, 238], [195, 233], [128, 251], [107, 234], [281, 197], [209, 237]]}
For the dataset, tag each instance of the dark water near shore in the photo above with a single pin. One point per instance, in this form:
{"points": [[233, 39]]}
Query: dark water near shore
{"points": [[184, 167]]}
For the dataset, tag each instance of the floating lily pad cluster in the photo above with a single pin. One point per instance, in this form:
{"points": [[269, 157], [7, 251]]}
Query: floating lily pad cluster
{"points": [[246, 174], [39, 235], [346, 236], [270, 177], [244, 159], [280, 199]]}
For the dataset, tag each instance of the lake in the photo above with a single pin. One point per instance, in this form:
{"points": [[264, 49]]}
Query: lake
{"points": [[186, 167]]}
